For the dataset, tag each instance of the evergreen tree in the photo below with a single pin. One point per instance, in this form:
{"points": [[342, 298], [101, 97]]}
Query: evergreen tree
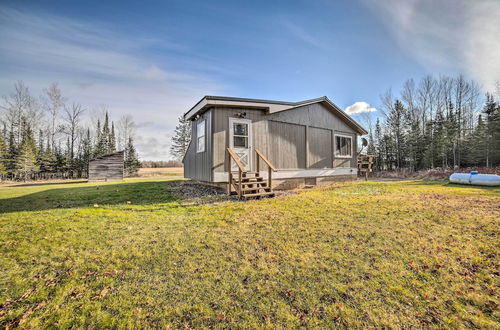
{"points": [[132, 163], [105, 135], [86, 153], [112, 139], [59, 160], [3, 156], [12, 152], [379, 161], [26, 160], [100, 146], [181, 139], [396, 124]]}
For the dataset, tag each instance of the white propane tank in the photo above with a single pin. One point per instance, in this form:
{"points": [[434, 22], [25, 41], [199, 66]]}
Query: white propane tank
{"points": [[475, 178]]}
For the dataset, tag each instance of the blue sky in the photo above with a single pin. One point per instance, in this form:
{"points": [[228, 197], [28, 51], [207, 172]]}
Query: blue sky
{"points": [[155, 59]]}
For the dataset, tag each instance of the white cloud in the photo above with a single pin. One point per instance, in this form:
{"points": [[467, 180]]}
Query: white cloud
{"points": [[359, 107], [447, 35], [95, 66]]}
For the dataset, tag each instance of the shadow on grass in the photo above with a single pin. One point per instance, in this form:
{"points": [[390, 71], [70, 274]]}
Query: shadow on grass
{"points": [[34, 184], [138, 193]]}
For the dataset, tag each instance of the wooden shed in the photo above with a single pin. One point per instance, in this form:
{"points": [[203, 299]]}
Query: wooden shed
{"points": [[235, 140], [107, 167]]}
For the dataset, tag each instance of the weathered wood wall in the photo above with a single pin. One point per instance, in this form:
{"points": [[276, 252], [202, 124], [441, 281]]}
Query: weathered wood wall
{"points": [[107, 168]]}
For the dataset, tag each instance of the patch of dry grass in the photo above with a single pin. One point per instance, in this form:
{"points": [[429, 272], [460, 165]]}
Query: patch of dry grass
{"points": [[160, 172]]}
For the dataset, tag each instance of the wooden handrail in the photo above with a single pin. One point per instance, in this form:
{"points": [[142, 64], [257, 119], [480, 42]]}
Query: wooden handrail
{"points": [[271, 166], [236, 160]]}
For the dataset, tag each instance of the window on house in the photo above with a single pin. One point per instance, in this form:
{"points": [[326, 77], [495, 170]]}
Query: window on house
{"points": [[200, 133], [343, 146], [240, 135]]}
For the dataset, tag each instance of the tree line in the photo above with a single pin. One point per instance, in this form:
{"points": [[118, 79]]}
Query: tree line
{"points": [[49, 137], [438, 122]]}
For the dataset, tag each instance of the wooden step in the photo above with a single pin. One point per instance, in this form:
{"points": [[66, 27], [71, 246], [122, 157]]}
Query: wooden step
{"points": [[245, 173], [250, 182], [255, 188], [247, 180], [266, 193]]}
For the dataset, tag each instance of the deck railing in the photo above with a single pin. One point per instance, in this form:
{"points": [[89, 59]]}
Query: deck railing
{"points": [[243, 172], [241, 169], [270, 167]]}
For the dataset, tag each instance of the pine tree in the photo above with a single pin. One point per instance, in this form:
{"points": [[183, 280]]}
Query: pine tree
{"points": [[68, 160], [396, 123], [86, 153], [112, 139], [12, 152], [480, 142], [105, 135], [132, 163], [489, 111], [3, 157], [181, 139], [26, 160], [379, 161], [59, 159], [100, 146]]}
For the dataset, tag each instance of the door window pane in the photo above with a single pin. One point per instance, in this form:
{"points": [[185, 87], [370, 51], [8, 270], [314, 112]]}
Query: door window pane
{"points": [[240, 142], [240, 129]]}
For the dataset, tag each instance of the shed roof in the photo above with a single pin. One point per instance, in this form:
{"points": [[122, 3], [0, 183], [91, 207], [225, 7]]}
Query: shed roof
{"points": [[108, 155], [270, 106]]}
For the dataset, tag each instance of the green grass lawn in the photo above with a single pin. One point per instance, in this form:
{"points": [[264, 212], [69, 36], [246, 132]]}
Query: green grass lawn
{"points": [[393, 254]]}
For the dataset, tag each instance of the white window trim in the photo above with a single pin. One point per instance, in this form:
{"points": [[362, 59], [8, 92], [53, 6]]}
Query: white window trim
{"points": [[335, 145], [198, 150], [232, 120]]}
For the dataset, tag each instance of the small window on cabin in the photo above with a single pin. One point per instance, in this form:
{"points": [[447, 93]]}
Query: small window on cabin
{"points": [[240, 135], [200, 133], [343, 146]]}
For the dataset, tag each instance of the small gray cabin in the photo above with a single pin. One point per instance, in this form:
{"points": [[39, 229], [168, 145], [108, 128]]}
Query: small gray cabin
{"points": [[289, 144]]}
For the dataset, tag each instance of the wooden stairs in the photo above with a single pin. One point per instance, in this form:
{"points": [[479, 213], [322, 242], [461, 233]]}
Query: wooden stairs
{"points": [[248, 184]]}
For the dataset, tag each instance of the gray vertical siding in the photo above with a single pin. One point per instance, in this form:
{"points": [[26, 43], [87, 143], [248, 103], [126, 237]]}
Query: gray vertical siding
{"points": [[285, 136], [198, 165], [320, 151], [287, 145], [221, 134]]}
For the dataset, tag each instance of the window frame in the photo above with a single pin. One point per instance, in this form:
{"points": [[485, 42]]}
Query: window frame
{"points": [[246, 137], [198, 136], [335, 146]]}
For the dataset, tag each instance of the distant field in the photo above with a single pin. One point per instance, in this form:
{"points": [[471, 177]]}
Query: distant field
{"points": [[134, 254], [160, 171]]}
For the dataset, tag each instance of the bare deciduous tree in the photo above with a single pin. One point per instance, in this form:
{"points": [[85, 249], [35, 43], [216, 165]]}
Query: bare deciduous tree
{"points": [[72, 117], [126, 129], [53, 101]]}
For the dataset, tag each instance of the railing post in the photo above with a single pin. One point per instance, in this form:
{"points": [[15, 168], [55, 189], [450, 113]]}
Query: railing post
{"points": [[230, 182], [269, 180], [239, 183], [257, 159]]}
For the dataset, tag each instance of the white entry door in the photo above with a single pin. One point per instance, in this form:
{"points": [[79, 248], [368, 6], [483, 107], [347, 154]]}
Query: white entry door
{"points": [[240, 140]]}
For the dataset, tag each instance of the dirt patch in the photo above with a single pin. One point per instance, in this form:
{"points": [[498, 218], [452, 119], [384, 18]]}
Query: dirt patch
{"points": [[197, 193]]}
